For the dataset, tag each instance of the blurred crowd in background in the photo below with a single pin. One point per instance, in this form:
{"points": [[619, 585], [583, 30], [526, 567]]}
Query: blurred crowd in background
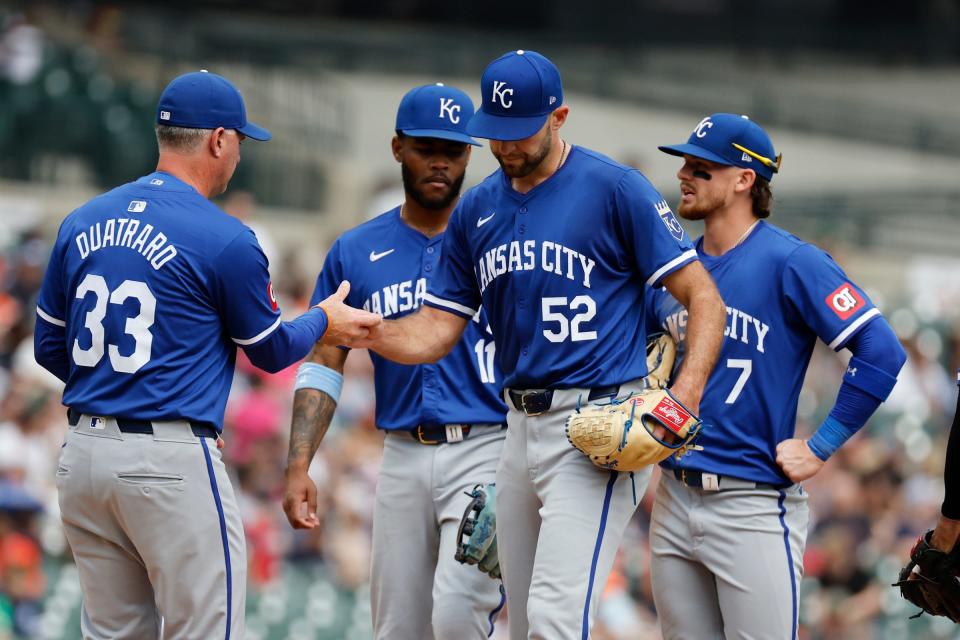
{"points": [[868, 504]]}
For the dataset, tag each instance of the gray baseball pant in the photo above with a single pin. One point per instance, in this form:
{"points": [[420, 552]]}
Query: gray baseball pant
{"points": [[560, 520], [418, 590], [155, 531], [727, 563]]}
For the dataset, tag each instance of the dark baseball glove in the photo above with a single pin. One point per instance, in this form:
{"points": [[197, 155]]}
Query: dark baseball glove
{"points": [[477, 535], [930, 579]]}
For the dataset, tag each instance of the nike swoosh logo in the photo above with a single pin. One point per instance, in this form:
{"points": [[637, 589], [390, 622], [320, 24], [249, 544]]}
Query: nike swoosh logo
{"points": [[483, 221], [374, 256]]}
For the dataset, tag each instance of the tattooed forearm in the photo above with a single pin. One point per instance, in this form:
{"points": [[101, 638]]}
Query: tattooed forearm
{"points": [[312, 411]]}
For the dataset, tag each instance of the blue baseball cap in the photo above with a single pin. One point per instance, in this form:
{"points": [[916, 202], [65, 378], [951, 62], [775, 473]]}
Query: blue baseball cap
{"points": [[202, 100], [518, 91], [731, 140], [436, 111]]}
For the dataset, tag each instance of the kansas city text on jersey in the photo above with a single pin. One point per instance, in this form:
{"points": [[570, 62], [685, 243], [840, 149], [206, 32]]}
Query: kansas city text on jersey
{"points": [[396, 298], [516, 256], [740, 326], [123, 232]]}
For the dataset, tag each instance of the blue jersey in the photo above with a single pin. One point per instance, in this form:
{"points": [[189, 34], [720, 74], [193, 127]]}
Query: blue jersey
{"points": [[561, 270], [155, 287], [781, 295], [389, 265]]}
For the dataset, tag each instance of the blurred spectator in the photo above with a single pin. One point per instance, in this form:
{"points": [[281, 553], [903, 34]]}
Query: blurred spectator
{"points": [[242, 205], [21, 49], [22, 582]]}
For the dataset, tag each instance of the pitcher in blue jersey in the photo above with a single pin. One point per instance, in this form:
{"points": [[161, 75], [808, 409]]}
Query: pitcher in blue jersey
{"points": [[730, 521], [557, 248], [148, 293], [444, 421]]}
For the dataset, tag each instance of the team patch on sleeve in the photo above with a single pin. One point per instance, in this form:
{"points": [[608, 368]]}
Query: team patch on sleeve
{"points": [[670, 220], [272, 297], [845, 301]]}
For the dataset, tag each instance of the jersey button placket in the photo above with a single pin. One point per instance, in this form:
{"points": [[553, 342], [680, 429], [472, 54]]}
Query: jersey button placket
{"points": [[430, 392], [521, 276], [428, 258]]}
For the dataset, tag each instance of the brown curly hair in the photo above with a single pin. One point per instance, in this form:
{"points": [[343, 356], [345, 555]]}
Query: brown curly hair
{"points": [[762, 197]]}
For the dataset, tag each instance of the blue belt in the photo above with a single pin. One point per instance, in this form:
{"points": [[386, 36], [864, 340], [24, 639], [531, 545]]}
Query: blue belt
{"points": [[126, 425]]}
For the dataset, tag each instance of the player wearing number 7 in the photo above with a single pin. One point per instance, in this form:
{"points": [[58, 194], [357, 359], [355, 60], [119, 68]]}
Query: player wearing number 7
{"points": [[557, 247], [730, 521], [148, 293]]}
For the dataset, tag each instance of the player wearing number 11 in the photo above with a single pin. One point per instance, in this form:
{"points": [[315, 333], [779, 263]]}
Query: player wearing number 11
{"points": [[443, 421], [730, 521], [148, 293]]}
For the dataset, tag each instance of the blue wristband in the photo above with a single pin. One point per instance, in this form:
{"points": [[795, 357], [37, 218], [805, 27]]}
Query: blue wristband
{"points": [[869, 378], [311, 375], [829, 437]]}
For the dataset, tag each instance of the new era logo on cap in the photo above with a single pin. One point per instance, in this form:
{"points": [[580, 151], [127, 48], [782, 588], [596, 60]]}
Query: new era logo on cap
{"points": [[164, 115]]}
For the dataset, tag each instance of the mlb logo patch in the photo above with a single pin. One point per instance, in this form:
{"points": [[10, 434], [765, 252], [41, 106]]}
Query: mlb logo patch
{"points": [[164, 115], [136, 206], [845, 301], [98, 423], [156, 182]]}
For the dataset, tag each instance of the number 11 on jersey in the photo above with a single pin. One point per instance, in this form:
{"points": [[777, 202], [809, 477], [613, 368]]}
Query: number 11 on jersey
{"points": [[485, 353]]}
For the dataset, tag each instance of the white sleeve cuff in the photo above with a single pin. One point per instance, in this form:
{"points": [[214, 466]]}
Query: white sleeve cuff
{"points": [[686, 256], [854, 326], [452, 306], [260, 336], [49, 318]]}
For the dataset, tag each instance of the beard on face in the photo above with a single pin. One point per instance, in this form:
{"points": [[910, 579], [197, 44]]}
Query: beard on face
{"points": [[703, 205], [530, 163], [438, 202]]}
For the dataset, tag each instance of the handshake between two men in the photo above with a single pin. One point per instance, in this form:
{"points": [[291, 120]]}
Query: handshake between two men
{"points": [[347, 325]]}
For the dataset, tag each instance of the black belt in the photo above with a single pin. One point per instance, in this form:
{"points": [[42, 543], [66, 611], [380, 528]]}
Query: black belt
{"points": [[716, 482], [533, 403], [125, 425], [444, 433]]}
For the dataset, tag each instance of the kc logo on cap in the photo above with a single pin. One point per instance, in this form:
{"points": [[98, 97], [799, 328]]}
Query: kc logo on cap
{"points": [[435, 111], [519, 90], [500, 93], [731, 140], [451, 110]]}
